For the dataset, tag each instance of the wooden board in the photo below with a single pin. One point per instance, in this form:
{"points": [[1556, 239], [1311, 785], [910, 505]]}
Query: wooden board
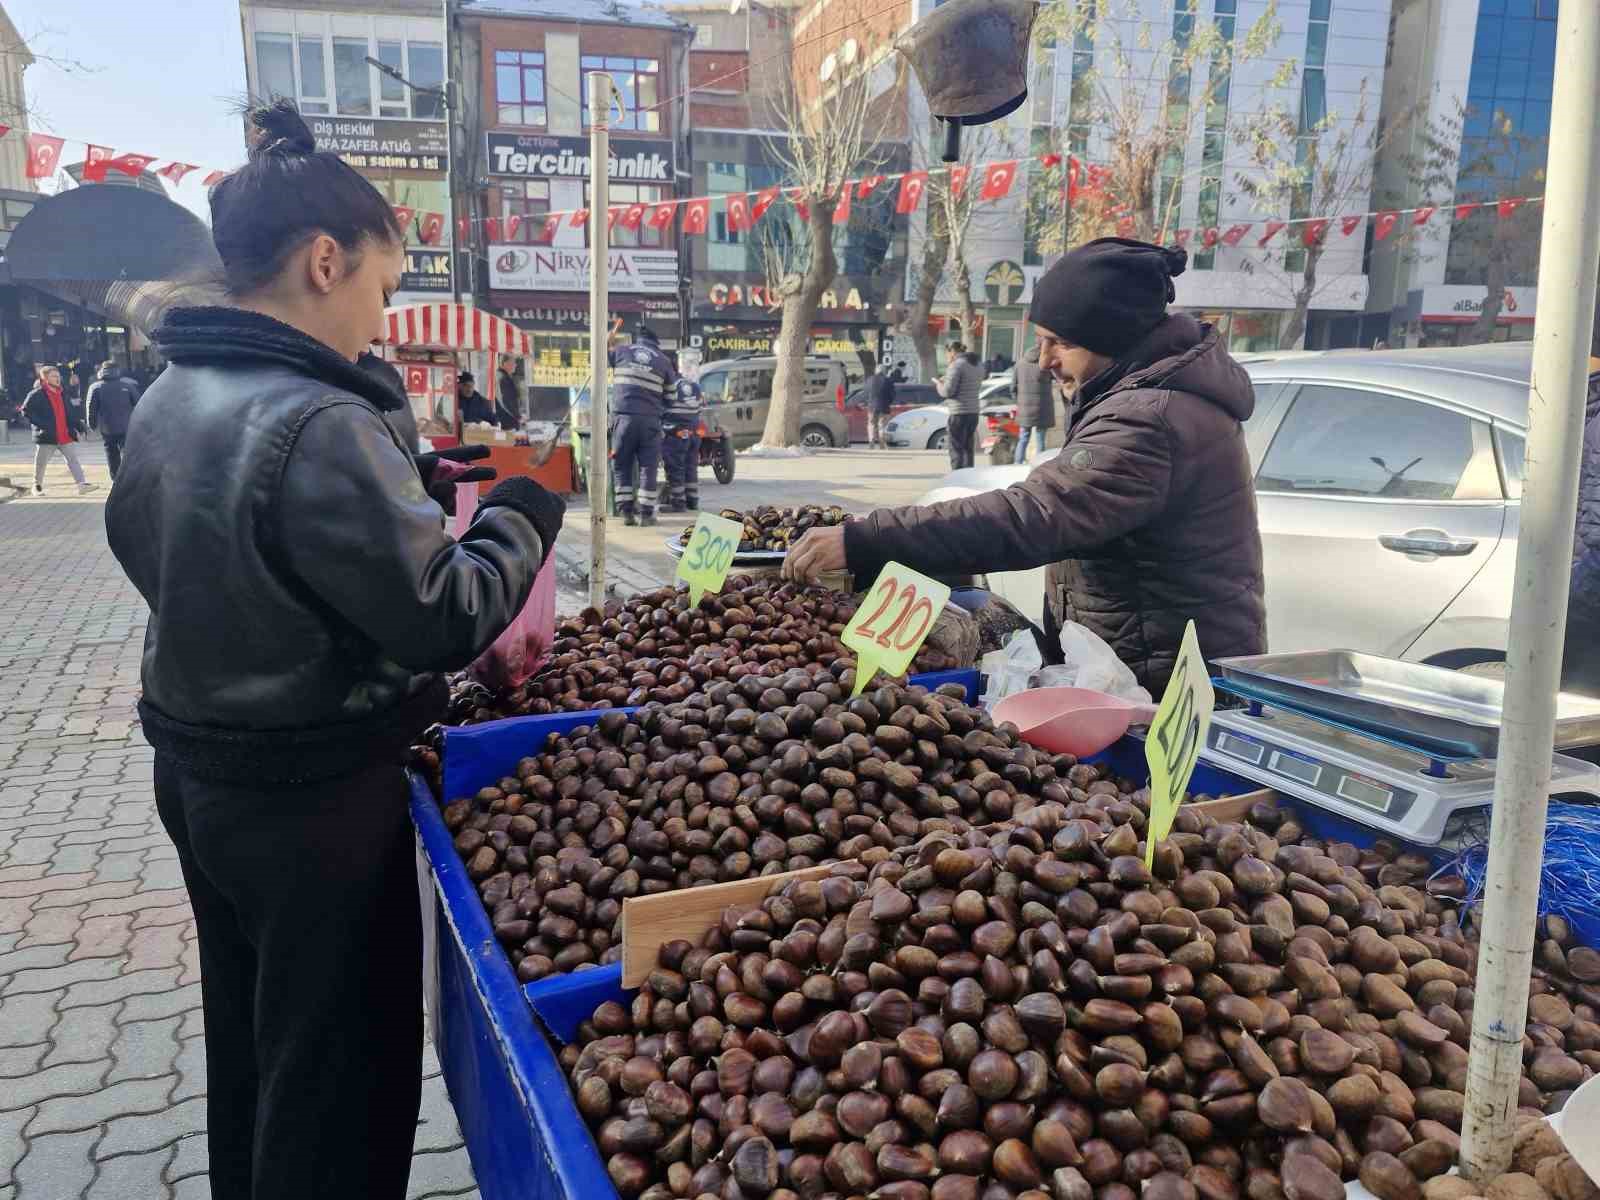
{"points": [[1232, 808], [649, 922]]}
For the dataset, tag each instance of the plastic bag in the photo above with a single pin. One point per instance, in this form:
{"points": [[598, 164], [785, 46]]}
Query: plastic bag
{"points": [[1090, 663], [521, 648], [1010, 669]]}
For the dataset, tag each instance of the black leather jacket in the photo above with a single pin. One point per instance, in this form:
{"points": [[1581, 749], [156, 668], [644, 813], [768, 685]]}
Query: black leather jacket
{"points": [[302, 588]]}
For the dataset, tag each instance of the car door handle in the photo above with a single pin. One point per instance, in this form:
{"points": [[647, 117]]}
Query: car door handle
{"points": [[1428, 541]]}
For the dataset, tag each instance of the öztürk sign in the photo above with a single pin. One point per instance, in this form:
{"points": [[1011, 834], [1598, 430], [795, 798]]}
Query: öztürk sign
{"points": [[538, 156]]}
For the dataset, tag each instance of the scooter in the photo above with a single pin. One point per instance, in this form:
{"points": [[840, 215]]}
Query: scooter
{"points": [[1000, 435]]}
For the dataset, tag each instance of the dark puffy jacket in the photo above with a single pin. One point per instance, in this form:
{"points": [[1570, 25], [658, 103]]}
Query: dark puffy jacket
{"points": [[880, 393], [1147, 517], [302, 589], [1580, 666], [1036, 396], [112, 396], [642, 378], [37, 409]]}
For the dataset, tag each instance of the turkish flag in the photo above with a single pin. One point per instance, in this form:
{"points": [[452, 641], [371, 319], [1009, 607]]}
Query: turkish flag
{"points": [[579, 218], [552, 226], [797, 197], [430, 228], [958, 178], [1181, 237], [612, 216], [132, 165], [96, 159], [4, 129], [1074, 174], [513, 226], [463, 229], [175, 171], [1312, 233], [491, 226], [1050, 160], [696, 215], [1384, 225], [1272, 231], [1235, 234], [1210, 237], [738, 212], [1348, 225], [214, 178], [997, 180], [1463, 211], [841, 207], [867, 186], [43, 154], [633, 216], [765, 199], [1423, 213], [1506, 207], [912, 185], [416, 379], [402, 217], [661, 214]]}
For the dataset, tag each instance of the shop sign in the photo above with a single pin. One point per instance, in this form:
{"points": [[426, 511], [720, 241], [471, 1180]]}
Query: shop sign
{"points": [[368, 144], [550, 269], [426, 271], [1004, 283], [559, 317], [1461, 304], [542, 156], [725, 341], [727, 295]]}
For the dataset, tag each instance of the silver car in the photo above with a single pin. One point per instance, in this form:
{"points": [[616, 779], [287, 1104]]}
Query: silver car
{"points": [[1388, 487]]}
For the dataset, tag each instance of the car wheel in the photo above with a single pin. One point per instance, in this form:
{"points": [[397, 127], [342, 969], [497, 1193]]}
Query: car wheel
{"points": [[816, 437], [1485, 670], [936, 442], [723, 467]]}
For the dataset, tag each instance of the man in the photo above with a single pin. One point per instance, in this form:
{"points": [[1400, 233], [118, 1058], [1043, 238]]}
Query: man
{"points": [[55, 430], [475, 407], [508, 394], [641, 378], [111, 400], [959, 390], [680, 447], [880, 403], [1580, 663], [1036, 402], [1147, 517], [898, 375]]}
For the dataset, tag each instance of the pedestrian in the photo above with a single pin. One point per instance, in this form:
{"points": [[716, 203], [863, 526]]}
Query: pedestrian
{"points": [[474, 406], [507, 392], [55, 430], [898, 375], [396, 409], [680, 447], [304, 597], [111, 400], [959, 389], [1146, 518], [642, 377], [880, 403], [1580, 662], [1036, 402]]}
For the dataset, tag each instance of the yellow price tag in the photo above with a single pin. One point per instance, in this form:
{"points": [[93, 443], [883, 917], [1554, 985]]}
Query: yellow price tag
{"points": [[707, 555], [1177, 736], [893, 621]]}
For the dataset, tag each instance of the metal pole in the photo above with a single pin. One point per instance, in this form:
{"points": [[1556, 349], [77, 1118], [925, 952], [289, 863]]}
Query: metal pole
{"points": [[452, 97], [1571, 241], [599, 324]]}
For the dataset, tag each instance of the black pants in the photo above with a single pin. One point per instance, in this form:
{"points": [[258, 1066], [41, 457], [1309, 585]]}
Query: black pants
{"points": [[114, 451], [305, 899], [961, 434]]}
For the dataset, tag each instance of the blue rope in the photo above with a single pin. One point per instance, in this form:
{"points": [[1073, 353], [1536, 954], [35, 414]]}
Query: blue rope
{"points": [[1569, 882]]}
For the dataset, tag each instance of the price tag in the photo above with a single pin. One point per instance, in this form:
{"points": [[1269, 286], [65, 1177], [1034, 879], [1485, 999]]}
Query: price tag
{"points": [[1176, 738], [710, 550], [893, 621]]}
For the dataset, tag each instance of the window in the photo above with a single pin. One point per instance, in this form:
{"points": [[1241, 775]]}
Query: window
{"points": [[750, 384], [1511, 462], [529, 200], [275, 64], [519, 87], [352, 78], [1343, 442], [427, 71], [622, 195], [702, 37], [638, 79], [714, 387], [313, 76], [391, 92]]}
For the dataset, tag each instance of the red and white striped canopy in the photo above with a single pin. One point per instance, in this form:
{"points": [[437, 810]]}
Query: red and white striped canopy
{"points": [[453, 327]]}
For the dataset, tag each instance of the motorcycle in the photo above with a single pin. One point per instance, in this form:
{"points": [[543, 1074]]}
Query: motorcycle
{"points": [[1000, 436]]}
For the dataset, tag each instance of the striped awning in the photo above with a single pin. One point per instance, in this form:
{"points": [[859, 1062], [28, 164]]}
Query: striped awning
{"points": [[453, 327]]}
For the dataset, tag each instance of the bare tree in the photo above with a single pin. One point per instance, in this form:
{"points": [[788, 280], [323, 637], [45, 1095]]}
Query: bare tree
{"points": [[31, 50]]}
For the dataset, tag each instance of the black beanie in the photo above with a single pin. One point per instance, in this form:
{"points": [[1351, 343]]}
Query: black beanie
{"points": [[1107, 294]]}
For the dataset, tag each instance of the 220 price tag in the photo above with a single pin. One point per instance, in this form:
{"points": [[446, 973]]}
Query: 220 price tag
{"points": [[892, 622], [1177, 736], [709, 552]]}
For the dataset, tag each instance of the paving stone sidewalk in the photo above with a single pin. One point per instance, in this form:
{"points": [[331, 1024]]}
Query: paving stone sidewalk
{"points": [[102, 1076]]}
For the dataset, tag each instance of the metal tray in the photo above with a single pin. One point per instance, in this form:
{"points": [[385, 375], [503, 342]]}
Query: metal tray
{"points": [[1408, 702], [741, 558]]}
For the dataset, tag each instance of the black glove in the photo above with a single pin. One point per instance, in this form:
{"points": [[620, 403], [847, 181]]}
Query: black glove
{"points": [[440, 473], [543, 508]]}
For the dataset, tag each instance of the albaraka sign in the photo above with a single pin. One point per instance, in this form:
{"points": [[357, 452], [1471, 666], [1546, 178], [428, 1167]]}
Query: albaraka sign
{"points": [[540, 156]]}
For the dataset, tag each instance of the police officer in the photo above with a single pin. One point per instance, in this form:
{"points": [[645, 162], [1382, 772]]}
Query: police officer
{"points": [[680, 448], [642, 378]]}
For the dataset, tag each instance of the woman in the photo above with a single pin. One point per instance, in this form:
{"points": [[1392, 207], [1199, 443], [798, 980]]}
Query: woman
{"points": [[56, 426], [303, 596]]}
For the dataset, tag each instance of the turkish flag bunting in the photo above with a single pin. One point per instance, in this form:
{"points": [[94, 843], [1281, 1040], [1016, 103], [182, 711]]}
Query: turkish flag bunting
{"points": [[1050, 160], [402, 217], [214, 178], [1235, 234], [463, 229], [430, 228], [1272, 231], [4, 129], [44, 152], [661, 214], [1074, 172], [797, 197], [1348, 225], [1506, 207], [613, 215], [174, 171], [765, 199], [841, 207], [1211, 236], [696, 215], [997, 180], [1423, 213], [1312, 232], [738, 212], [867, 186], [132, 165], [1463, 211], [579, 218], [1385, 223], [958, 178], [632, 216], [912, 185], [95, 161], [1181, 236], [513, 225], [491, 226], [552, 225]]}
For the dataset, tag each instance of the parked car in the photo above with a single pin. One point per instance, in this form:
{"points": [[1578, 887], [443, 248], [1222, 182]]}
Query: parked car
{"points": [[907, 396], [739, 392], [1388, 487], [924, 428]]}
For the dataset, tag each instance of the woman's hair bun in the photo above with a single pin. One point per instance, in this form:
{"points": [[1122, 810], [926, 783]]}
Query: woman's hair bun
{"points": [[279, 129], [1177, 260]]}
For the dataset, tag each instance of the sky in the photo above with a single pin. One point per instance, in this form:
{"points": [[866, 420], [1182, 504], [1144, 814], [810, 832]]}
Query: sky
{"points": [[159, 78]]}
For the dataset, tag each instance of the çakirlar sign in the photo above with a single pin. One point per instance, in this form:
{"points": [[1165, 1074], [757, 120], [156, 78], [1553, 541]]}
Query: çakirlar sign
{"points": [[538, 156]]}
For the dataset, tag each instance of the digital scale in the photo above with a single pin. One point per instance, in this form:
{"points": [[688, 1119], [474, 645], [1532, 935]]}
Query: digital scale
{"points": [[1403, 749]]}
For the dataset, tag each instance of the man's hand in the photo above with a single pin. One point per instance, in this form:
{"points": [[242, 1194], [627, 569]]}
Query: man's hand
{"points": [[817, 551]]}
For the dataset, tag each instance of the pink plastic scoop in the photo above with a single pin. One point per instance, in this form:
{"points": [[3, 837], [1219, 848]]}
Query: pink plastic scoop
{"points": [[1073, 721]]}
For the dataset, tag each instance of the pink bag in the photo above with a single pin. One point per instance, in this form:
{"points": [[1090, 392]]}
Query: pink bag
{"points": [[518, 652]]}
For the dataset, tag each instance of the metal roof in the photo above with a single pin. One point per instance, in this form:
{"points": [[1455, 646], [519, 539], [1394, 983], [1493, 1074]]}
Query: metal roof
{"points": [[601, 12]]}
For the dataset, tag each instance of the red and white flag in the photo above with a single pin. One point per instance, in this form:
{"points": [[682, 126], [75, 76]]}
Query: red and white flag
{"points": [[958, 178], [213, 178], [1181, 237], [1348, 225], [613, 215], [491, 227], [912, 185], [132, 165], [867, 186], [1050, 160], [738, 212], [661, 214], [1210, 237], [579, 218], [513, 226], [430, 227], [633, 216], [1272, 231], [797, 197], [765, 199], [1312, 232], [552, 226], [1384, 225], [1463, 211], [997, 180], [402, 217], [1074, 174], [175, 171], [1506, 207], [1423, 213], [463, 230], [841, 206], [696, 215], [96, 160], [1235, 234]]}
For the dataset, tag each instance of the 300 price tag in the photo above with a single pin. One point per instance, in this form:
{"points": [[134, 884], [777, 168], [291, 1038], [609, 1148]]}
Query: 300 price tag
{"points": [[892, 622], [1176, 738], [712, 544]]}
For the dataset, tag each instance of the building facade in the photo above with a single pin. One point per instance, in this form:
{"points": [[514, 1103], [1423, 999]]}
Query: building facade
{"points": [[14, 108]]}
